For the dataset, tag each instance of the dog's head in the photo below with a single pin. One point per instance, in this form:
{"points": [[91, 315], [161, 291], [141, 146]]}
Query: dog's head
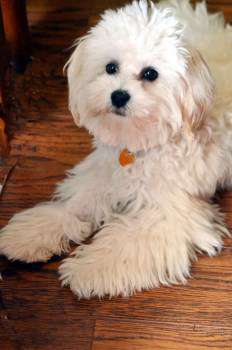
{"points": [[134, 81]]}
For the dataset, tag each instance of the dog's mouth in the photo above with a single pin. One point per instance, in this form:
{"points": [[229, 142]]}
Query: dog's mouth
{"points": [[120, 111]]}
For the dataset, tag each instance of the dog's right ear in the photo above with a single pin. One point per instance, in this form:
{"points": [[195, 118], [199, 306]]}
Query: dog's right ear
{"points": [[198, 89], [74, 70]]}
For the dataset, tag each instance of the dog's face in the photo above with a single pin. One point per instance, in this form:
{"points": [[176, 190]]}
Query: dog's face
{"points": [[133, 80]]}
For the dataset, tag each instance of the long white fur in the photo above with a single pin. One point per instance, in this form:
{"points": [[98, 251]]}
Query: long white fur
{"points": [[157, 212]]}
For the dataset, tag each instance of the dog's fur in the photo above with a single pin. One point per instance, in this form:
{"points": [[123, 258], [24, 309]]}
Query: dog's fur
{"points": [[157, 212]]}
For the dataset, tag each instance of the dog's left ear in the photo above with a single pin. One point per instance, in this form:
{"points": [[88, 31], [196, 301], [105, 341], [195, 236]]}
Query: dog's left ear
{"points": [[74, 71], [198, 87]]}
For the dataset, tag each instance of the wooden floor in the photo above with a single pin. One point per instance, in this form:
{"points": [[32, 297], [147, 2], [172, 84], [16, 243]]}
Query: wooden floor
{"points": [[35, 312]]}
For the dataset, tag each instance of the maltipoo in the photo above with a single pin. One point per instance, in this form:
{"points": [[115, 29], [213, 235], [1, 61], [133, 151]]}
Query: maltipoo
{"points": [[152, 84]]}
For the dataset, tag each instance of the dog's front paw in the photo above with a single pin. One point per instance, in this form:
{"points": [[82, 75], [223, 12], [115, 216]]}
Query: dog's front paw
{"points": [[34, 235], [89, 273], [14, 247], [119, 262]]}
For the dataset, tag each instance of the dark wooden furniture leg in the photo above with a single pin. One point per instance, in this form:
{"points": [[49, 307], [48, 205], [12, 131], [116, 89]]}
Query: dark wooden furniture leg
{"points": [[3, 138], [3, 67], [16, 31]]}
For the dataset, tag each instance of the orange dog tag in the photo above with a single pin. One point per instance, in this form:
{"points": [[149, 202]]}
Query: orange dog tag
{"points": [[126, 157]]}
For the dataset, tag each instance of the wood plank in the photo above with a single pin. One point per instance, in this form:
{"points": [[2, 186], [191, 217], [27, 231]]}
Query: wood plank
{"points": [[38, 314]]}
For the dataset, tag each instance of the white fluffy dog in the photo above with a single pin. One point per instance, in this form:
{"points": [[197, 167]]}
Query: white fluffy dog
{"points": [[162, 124]]}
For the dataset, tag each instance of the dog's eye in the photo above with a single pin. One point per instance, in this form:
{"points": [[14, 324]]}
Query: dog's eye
{"points": [[112, 68], [149, 73]]}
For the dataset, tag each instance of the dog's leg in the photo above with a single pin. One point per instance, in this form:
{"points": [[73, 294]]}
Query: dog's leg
{"points": [[38, 233], [139, 253]]}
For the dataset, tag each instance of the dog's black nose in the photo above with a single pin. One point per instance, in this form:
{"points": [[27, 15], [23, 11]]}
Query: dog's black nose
{"points": [[119, 98]]}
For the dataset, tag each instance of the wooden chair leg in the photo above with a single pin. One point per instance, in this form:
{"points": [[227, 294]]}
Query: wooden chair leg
{"points": [[3, 140], [3, 135], [16, 31], [4, 58]]}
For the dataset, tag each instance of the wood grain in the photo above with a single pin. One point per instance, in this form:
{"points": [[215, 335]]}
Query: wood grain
{"points": [[35, 312]]}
